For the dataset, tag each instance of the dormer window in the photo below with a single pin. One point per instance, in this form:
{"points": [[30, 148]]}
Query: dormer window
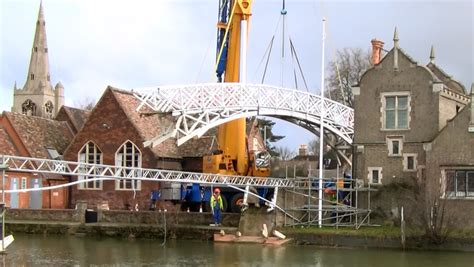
{"points": [[32, 76], [36, 49], [46, 50]]}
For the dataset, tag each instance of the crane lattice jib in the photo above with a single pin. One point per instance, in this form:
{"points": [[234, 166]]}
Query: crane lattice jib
{"points": [[199, 107], [100, 171]]}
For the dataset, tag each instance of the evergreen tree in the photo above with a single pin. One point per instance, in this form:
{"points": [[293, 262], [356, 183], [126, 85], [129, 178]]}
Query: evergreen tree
{"points": [[266, 130]]}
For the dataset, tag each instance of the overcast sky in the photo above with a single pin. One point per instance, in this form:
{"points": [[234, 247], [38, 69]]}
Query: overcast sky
{"points": [[132, 44]]}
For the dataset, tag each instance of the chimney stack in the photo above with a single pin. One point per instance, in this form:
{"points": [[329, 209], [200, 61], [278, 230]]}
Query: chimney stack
{"points": [[377, 46], [303, 151]]}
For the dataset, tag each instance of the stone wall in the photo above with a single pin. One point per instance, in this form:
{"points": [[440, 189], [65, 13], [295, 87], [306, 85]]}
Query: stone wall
{"points": [[121, 217], [42, 215], [453, 150], [172, 218]]}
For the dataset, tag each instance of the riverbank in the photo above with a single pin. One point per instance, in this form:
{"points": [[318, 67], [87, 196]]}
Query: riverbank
{"points": [[196, 226], [377, 237]]}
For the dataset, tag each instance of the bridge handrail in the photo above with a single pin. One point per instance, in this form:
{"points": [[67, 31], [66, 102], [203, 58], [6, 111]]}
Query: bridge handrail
{"points": [[196, 97]]}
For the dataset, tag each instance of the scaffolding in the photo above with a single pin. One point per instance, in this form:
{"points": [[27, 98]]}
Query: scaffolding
{"points": [[341, 206]]}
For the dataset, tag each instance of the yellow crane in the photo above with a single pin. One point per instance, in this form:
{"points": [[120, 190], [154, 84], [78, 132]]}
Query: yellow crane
{"points": [[233, 156]]}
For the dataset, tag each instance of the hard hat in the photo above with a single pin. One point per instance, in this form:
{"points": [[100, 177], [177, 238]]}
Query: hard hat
{"points": [[217, 190]]}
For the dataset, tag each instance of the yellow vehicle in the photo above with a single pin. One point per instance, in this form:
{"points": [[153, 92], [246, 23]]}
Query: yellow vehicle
{"points": [[233, 156]]}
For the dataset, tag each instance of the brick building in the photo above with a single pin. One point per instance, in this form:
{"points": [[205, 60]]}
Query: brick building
{"points": [[32, 136], [74, 117], [406, 116], [114, 134]]}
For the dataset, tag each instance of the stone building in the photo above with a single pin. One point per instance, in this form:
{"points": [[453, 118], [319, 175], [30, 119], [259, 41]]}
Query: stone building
{"points": [[38, 97], [404, 113], [450, 161]]}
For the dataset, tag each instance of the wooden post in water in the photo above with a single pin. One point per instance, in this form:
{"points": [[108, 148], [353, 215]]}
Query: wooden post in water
{"points": [[402, 228]]}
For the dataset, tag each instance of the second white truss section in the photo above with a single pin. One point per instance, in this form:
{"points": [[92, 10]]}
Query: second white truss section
{"points": [[101, 172]]}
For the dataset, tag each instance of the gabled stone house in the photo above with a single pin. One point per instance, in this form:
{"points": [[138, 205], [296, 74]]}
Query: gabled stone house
{"points": [[406, 116]]}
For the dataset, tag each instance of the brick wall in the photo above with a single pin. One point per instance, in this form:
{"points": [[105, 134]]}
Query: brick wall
{"points": [[109, 127]]}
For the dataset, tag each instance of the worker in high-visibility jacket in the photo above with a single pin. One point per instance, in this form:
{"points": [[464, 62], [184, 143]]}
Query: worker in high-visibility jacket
{"points": [[217, 206]]}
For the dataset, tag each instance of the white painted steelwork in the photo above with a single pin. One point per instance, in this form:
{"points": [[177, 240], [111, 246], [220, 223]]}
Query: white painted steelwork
{"points": [[200, 107], [110, 172]]}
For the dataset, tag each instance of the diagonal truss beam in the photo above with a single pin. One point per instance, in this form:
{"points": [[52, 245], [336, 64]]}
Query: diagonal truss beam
{"points": [[108, 172]]}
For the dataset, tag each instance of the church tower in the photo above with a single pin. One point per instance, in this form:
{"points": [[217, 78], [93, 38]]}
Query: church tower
{"points": [[38, 97]]}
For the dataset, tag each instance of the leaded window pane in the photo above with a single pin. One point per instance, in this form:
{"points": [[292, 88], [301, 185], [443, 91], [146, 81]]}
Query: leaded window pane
{"points": [[402, 119], [129, 156], [375, 176], [390, 119], [390, 102], [460, 183], [395, 147], [402, 102], [470, 183]]}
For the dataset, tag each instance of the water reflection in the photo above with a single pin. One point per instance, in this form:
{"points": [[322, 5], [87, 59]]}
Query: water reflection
{"points": [[35, 250]]}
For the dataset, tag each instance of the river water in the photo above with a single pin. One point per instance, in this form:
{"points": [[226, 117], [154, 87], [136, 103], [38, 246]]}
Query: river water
{"points": [[38, 250]]}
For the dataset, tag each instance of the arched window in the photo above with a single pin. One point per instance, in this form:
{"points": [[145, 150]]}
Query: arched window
{"points": [[28, 108], [48, 108], [90, 153], [128, 155]]}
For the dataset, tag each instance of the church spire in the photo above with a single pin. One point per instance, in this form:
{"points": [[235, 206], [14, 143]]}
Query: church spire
{"points": [[38, 71]]}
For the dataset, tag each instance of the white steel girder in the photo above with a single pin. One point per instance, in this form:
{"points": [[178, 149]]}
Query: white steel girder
{"points": [[110, 172], [200, 107]]}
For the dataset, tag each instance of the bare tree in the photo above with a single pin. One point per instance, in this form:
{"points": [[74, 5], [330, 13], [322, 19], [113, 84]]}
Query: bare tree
{"points": [[284, 153], [313, 147], [424, 205], [344, 72], [86, 103]]}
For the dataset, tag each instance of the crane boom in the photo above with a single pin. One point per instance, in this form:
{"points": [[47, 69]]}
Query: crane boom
{"points": [[232, 156]]}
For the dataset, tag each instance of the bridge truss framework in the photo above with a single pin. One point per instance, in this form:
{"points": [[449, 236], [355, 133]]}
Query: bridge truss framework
{"points": [[295, 214]]}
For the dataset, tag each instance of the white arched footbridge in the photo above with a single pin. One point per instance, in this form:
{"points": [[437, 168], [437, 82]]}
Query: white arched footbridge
{"points": [[200, 107]]}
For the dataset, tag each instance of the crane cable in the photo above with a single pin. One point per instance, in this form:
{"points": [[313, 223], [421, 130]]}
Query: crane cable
{"points": [[268, 52], [293, 49], [225, 38]]}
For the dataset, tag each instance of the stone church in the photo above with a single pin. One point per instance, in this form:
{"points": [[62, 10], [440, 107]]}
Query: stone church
{"points": [[38, 97]]}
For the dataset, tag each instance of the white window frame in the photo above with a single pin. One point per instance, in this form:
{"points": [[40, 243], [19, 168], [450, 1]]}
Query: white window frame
{"points": [[24, 183], [405, 162], [84, 158], [121, 184], [370, 177], [390, 140], [383, 110], [457, 194]]}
